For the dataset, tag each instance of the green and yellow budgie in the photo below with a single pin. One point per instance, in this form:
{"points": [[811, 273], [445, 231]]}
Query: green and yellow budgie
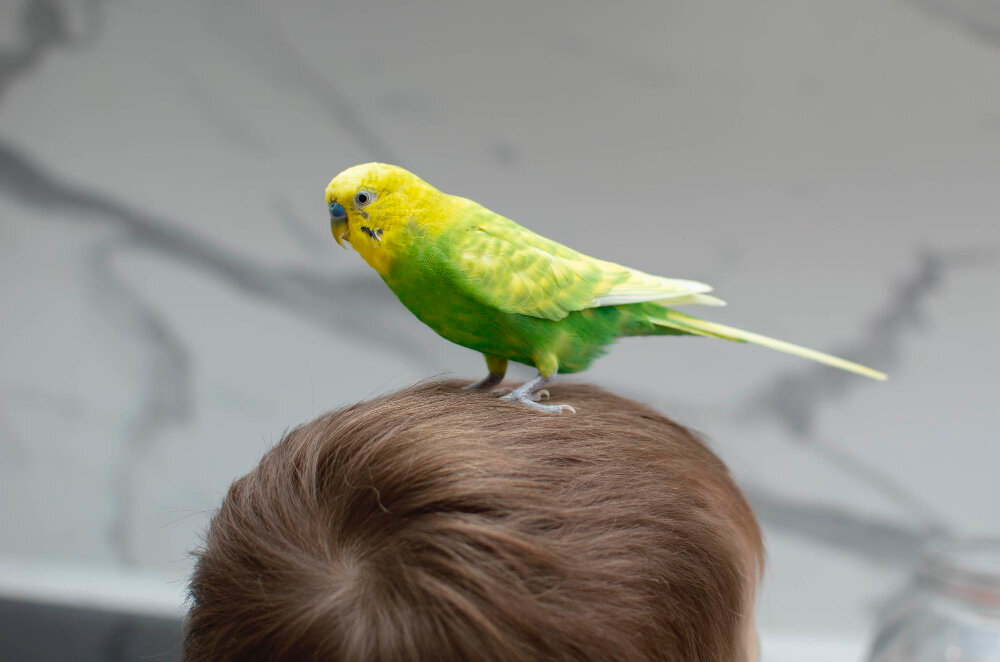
{"points": [[485, 282]]}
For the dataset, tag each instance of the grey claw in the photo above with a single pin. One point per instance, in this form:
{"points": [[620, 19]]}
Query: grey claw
{"points": [[528, 401], [526, 394]]}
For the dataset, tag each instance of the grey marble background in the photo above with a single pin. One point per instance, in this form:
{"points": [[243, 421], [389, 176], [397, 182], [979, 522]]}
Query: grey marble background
{"points": [[171, 300]]}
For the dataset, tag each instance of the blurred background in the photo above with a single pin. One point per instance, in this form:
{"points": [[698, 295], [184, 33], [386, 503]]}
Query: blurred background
{"points": [[171, 299]]}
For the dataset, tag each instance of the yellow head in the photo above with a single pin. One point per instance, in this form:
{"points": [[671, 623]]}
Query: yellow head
{"points": [[372, 204]]}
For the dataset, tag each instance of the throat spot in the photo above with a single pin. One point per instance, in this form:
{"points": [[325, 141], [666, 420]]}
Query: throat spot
{"points": [[375, 235]]}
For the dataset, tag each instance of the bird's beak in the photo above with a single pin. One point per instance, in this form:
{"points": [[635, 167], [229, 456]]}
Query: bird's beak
{"points": [[340, 230], [338, 223]]}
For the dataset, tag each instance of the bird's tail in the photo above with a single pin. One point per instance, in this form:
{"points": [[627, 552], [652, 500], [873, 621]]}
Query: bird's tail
{"points": [[678, 321]]}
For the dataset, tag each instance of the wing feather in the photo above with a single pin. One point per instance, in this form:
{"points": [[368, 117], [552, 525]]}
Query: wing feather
{"points": [[509, 267]]}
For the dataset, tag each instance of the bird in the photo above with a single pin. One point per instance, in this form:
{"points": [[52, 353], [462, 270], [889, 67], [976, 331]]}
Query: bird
{"points": [[484, 282]]}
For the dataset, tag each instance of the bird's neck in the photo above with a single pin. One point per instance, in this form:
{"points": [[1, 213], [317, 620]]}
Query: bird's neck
{"points": [[376, 245], [385, 240]]}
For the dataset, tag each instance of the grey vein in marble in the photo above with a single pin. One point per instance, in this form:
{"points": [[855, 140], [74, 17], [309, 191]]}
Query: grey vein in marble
{"points": [[875, 540], [300, 231], [260, 39], [221, 117], [14, 451], [979, 18], [166, 397], [318, 297], [44, 27], [795, 397], [927, 515]]}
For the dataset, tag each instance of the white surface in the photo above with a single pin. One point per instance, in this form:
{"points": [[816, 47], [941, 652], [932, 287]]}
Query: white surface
{"points": [[799, 156], [92, 587], [821, 648]]}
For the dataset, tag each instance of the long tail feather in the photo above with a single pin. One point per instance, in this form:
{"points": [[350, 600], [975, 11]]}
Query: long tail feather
{"points": [[692, 299], [677, 320]]}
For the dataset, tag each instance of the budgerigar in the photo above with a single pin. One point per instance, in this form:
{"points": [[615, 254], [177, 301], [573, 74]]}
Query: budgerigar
{"points": [[484, 282]]}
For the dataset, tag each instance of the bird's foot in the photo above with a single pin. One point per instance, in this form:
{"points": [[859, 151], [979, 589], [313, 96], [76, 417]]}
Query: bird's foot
{"points": [[526, 394], [543, 394], [489, 381], [532, 401]]}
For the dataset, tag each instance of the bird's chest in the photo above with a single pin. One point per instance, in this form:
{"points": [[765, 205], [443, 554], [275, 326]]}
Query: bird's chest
{"points": [[424, 285]]}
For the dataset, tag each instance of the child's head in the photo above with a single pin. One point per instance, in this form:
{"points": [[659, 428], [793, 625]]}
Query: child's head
{"points": [[440, 524]]}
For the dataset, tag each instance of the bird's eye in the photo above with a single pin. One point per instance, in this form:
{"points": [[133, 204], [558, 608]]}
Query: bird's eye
{"points": [[362, 198]]}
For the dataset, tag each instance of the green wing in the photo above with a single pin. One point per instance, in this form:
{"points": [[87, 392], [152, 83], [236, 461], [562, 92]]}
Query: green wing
{"points": [[506, 266]]}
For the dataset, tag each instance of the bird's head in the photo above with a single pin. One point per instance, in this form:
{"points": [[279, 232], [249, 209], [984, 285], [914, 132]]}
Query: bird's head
{"points": [[368, 202]]}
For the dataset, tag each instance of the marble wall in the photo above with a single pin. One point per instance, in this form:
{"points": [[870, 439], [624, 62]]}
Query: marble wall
{"points": [[171, 300]]}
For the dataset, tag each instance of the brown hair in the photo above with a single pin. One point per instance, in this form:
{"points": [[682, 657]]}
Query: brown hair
{"points": [[436, 523]]}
